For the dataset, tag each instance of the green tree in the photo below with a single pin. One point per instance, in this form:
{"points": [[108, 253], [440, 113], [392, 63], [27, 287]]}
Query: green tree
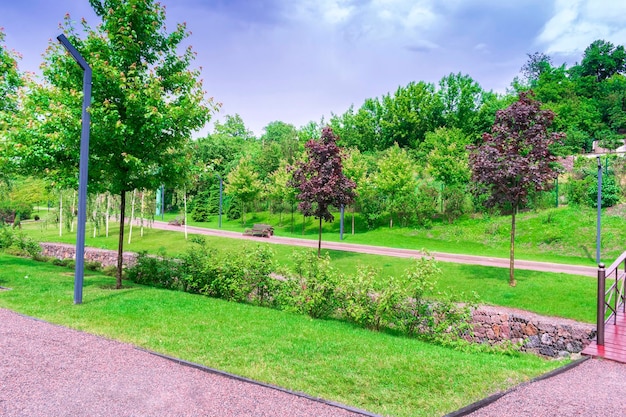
{"points": [[146, 102], [243, 184], [461, 98], [11, 79], [602, 59], [395, 180], [355, 168]]}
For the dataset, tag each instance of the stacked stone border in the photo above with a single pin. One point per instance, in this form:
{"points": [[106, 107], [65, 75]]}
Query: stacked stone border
{"points": [[546, 336]]}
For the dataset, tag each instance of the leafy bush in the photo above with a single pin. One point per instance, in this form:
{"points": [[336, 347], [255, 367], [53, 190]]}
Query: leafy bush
{"points": [[611, 192], [159, 271], [426, 204], [312, 290], [93, 266], [17, 243], [365, 304], [418, 314]]}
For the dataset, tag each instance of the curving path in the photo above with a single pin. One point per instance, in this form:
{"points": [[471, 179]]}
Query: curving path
{"points": [[400, 253]]}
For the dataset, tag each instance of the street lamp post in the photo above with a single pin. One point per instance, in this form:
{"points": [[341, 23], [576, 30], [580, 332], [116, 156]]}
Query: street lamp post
{"points": [[598, 240], [83, 173]]}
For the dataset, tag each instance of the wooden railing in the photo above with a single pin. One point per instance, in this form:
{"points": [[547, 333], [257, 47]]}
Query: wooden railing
{"points": [[610, 299]]}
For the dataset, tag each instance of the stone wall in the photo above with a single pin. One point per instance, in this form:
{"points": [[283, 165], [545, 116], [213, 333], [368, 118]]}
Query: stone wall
{"points": [[105, 257], [548, 336]]}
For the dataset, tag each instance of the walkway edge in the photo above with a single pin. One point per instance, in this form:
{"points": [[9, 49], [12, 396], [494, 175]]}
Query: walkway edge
{"points": [[469, 409], [262, 384]]}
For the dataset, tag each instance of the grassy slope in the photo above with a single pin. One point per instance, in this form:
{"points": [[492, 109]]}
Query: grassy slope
{"points": [[544, 293], [377, 371]]}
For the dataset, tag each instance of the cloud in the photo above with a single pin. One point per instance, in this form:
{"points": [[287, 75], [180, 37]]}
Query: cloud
{"points": [[577, 23]]}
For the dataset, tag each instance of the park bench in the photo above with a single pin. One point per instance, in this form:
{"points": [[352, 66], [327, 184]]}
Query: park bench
{"points": [[261, 230]]}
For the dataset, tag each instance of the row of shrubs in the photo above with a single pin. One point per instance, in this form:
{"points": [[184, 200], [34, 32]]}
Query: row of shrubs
{"points": [[314, 288]]}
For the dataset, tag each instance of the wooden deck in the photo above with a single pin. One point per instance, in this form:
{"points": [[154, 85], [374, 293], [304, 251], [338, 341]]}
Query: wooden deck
{"points": [[614, 348]]}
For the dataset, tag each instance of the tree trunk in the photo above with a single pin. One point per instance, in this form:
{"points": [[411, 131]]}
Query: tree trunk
{"points": [[106, 216], [512, 282], [60, 213], [120, 243], [319, 241], [132, 217]]}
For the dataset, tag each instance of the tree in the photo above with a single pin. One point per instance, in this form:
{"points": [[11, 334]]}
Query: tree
{"points": [[461, 97], [10, 81], [320, 180], [146, 102], [243, 184], [395, 180], [537, 64], [515, 159], [602, 59]]}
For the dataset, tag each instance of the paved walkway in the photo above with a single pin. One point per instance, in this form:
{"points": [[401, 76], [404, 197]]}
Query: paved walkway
{"points": [[401, 253], [52, 371]]}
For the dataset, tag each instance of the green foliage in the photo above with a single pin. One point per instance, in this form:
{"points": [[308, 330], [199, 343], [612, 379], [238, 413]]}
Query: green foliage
{"points": [[159, 271], [312, 288], [18, 243], [426, 204], [395, 180], [243, 185], [611, 192]]}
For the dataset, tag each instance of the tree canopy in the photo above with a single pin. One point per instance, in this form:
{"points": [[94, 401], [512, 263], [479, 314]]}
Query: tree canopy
{"points": [[146, 102], [320, 180], [515, 158]]}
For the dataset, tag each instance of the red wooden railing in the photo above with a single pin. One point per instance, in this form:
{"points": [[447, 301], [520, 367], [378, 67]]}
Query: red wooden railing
{"points": [[610, 299]]}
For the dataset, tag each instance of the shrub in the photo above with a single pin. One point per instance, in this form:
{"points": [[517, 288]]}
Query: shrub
{"points": [[17, 243], [93, 266], [312, 289], [158, 271], [418, 315], [365, 304], [611, 192]]}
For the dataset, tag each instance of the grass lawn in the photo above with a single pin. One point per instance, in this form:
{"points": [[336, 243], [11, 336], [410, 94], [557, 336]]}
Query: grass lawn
{"points": [[379, 372], [562, 235], [544, 293]]}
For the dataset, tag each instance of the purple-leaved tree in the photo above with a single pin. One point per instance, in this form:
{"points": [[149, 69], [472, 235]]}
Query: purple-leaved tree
{"points": [[515, 159], [320, 181]]}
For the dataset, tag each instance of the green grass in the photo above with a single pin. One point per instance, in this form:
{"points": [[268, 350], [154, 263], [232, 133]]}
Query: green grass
{"points": [[379, 372], [562, 235], [549, 294]]}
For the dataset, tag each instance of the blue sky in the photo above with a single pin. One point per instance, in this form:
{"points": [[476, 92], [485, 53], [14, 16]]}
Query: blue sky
{"points": [[299, 60]]}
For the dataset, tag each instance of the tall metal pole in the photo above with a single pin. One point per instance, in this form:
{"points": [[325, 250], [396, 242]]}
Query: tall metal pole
{"points": [[600, 306], [83, 170], [598, 240], [341, 223]]}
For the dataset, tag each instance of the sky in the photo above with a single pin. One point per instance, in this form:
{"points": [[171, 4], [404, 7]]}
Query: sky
{"points": [[300, 60]]}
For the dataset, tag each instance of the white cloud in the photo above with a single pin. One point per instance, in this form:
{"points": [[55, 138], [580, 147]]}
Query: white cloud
{"points": [[577, 23]]}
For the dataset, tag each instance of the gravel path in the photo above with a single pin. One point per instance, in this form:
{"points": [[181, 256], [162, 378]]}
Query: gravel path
{"points": [[594, 388], [48, 370]]}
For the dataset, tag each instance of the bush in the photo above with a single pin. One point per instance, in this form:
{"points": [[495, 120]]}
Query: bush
{"points": [[17, 243], [365, 304], [93, 266], [159, 271], [611, 192], [426, 205], [312, 290], [418, 315]]}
